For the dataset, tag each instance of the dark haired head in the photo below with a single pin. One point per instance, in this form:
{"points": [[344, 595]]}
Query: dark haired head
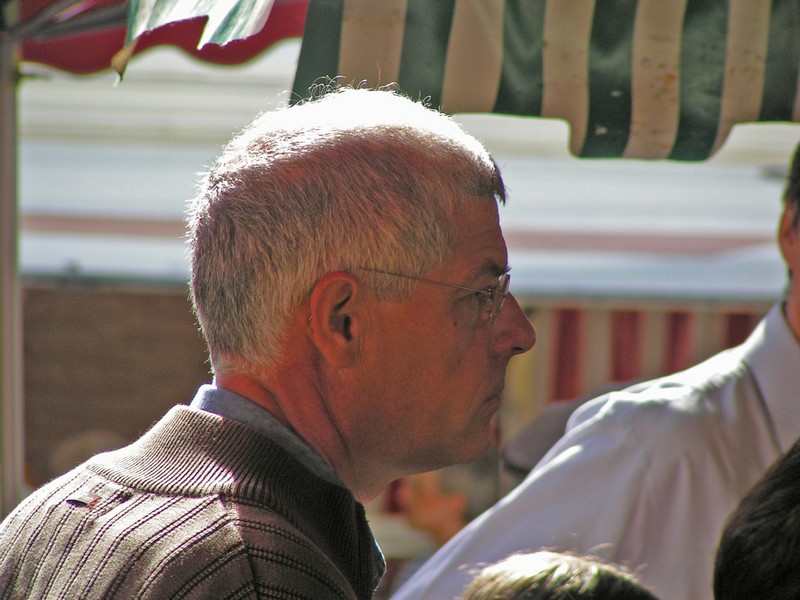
{"points": [[759, 553]]}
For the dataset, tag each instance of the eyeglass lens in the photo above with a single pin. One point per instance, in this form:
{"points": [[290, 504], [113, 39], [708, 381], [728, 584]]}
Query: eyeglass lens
{"points": [[499, 296]]}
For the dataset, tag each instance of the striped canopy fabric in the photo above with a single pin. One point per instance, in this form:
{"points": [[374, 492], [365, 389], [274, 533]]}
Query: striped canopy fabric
{"points": [[655, 79], [87, 36], [228, 20]]}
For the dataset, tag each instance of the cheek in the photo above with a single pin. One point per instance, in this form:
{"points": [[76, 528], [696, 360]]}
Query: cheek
{"points": [[466, 349], [443, 363]]}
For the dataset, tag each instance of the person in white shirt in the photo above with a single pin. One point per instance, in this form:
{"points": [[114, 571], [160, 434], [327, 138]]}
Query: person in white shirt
{"points": [[646, 477]]}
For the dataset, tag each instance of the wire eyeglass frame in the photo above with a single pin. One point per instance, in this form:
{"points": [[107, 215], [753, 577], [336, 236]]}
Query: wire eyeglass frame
{"points": [[495, 294]]}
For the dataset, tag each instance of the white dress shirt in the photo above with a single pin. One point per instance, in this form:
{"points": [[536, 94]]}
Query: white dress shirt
{"points": [[645, 477]]}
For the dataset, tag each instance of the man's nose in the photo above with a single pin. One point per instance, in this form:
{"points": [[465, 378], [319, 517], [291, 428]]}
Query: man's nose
{"points": [[513, 332]]}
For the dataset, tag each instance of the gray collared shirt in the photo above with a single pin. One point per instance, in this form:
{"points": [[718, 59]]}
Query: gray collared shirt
{"points": [[233, 406]]}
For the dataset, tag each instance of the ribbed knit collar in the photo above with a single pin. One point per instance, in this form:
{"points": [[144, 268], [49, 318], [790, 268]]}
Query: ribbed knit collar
{"points": [[195, 453]]}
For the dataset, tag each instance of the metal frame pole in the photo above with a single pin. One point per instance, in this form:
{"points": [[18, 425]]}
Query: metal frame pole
{"points": [[12, 421]]}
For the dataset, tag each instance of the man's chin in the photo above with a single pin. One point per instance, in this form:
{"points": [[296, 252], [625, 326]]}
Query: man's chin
{"points": [[477, 450]]}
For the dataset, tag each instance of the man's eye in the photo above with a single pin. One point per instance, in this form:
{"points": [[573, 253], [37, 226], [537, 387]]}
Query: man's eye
{"points": [[484, 296]]}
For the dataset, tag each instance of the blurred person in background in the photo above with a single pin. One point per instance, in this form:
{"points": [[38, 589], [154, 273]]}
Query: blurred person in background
{"points": [[350, 277], [647, 476], [440, 503]]}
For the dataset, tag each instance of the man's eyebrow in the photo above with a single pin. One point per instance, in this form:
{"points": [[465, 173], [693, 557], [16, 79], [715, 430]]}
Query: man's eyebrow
{"points": [[489, 267]]}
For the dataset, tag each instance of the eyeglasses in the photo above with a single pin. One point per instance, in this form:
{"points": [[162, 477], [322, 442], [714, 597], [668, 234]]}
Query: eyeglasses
{"points": [[495, 295]]}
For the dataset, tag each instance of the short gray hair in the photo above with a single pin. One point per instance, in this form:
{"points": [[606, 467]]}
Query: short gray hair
{"points": [[546, 575], [353, 178]]}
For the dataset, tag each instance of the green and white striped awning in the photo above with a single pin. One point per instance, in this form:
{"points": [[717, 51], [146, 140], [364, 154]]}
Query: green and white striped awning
{"points": [[640, 79]]}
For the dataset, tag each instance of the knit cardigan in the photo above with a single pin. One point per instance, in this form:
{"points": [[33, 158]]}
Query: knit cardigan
{"points": [[199, 507]]}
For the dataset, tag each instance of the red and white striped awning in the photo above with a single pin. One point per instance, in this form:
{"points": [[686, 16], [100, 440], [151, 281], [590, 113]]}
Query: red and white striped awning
{"points": [[83, 36]]}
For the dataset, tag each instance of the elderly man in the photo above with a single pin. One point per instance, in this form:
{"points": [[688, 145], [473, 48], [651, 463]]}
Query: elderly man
{"points": [[351, 279], [647, 476]]}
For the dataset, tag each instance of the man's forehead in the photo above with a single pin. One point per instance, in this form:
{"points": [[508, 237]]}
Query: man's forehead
{"points": [[479, 239]]}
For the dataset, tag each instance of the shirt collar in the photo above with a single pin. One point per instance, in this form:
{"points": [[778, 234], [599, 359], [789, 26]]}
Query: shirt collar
{"points": [[230, 405], [773, 354]]}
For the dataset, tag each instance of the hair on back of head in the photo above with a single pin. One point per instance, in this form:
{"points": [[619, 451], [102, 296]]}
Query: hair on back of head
{"points": [[352, 178], [791, 194], [547, 575]]}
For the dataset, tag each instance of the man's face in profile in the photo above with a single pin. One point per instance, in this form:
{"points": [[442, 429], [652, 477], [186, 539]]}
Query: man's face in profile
{"points": [[437, 362]]}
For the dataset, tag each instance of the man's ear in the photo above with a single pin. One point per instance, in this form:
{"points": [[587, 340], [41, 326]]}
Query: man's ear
{"points": [[334, 321], [789, 239]]}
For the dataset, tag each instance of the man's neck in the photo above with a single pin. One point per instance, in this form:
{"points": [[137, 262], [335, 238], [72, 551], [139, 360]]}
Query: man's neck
{"points": [[791, 310], [298, 408]]}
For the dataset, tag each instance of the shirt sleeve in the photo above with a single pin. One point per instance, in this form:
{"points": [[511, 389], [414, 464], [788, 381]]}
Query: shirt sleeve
{"points": [[562, 504]]}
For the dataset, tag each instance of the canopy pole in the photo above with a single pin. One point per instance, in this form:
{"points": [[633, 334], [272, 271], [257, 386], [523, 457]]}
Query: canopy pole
{"points": [[12, 421]]}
